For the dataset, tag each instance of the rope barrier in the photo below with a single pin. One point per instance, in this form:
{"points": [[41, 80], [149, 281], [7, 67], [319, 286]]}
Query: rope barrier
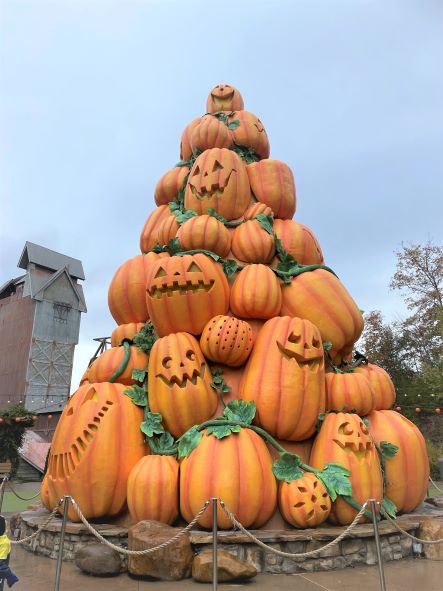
{"points": [[405, 533], [435, 486], [22, 498], [40, 527]]}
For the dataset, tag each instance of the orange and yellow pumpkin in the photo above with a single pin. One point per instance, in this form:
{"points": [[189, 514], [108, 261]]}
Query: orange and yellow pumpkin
{"points": [[125, 332], [272, 183], [210, 133], [299, 241], [252, 244], [304, 502], [382, 387], [348, 392], [170, 184], [105, 366], [227, 340], [250, 133], [224, 97], [256, 293], [205, 232]]}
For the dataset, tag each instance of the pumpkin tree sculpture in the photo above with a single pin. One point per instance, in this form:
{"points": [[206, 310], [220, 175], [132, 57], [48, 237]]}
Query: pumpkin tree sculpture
{"points": [[233, 337]]}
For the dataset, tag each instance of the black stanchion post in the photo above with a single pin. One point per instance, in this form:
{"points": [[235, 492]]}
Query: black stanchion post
{"points": [[2, 492], [373, 503], [214, 544], [58, 572]]}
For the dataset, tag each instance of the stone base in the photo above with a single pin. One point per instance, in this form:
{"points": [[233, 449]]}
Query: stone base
{"points": [[356, 549]]}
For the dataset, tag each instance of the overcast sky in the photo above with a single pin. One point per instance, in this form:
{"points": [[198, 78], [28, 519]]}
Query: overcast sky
{"points": [[94, 95]]}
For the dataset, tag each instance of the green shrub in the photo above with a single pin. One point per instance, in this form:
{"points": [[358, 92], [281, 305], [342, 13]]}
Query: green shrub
{"points": [[434, 453]]}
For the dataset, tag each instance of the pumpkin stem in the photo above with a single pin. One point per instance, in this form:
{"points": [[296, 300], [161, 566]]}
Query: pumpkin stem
{"points": [[124, 364]]}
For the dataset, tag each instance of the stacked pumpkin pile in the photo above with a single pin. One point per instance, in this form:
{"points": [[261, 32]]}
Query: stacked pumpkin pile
{"points": [[231, 372]]}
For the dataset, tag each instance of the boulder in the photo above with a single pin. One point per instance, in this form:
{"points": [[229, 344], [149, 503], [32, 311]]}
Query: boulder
{"points": [[229, 567], [171, 563], [98, 560], [432, 529]]}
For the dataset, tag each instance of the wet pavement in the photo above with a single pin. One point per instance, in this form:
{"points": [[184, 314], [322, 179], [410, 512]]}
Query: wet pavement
{"points": [[37, 573]]}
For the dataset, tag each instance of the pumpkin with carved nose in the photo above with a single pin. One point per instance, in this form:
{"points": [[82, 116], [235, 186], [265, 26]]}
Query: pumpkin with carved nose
{"points": [[285, 378], [184, 292], [95, 446], [304, 502], [179, 383], [218, 180], [345, 439], [224, 97]]}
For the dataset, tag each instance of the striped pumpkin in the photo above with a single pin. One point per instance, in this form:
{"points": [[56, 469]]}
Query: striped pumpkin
{"points": [[149, 235], [185, 140], [210, 133], [227, 340], [299, 241], [349, 392], [224, 97], [256, 293], [238, 470], [108, 362], [320, 297], [125, 332], [153, 489], [205, 232], [252, 244], [407, 473], [272, 183], [250, 132], [167, 229], [381, 384], [304, 502], [285, 378], [170, 184], [255, 208]]}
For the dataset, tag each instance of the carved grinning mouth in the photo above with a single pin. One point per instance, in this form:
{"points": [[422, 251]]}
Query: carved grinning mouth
{"points": [[313, 364], [182, 288], [214, 191], [223, 99], [181, 383], [352, 446], [64, 464]]}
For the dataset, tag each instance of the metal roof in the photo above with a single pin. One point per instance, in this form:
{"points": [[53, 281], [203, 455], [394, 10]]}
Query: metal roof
{"points": [[44, 257]]}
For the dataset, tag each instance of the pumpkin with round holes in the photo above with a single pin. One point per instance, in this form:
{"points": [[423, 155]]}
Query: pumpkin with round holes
{"points": [[179, 383], [349, 392], [299, 241], [167, 229], [320, 297], [224, 97], [149, 235], [96, 444], [205, 232], [153, 489], [256, 293], [382, 387], [107, 364], [407, 472], [218, 180], [238, 470], [125, 332], [285, 378], [184, 292], [304, 502], [255, 208], [249, 132], [210, 133], [272, 183], [170, 184], [252, 244], [127, 291], [345, 439], [185, 140], [227, 340]]}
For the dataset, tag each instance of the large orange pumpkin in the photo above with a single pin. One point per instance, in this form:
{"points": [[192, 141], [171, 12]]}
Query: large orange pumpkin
{"points": [[252, 244], [170, 184], [304, 502], [167, 229], [250, 133], [349, 392], [205, 232], [179, 383], [125, 332], [320, 297], [96, 444], [218, 180], [149, 235], [407, 473], [238, 470], [285, 378], [227, 340], [345, 439], [183, 293], [272, 183], [256, 293], [127, 291], [381, 384], [210, 133], [185, 140], [153, 489], [224, 97], [108, 362], [299, 241]]}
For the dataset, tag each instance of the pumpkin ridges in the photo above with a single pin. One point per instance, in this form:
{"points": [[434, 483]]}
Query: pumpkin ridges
{"points": [[349, 391]]}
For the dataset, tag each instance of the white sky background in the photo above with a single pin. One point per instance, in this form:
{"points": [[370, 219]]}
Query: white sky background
{"points": [[94, 95]]}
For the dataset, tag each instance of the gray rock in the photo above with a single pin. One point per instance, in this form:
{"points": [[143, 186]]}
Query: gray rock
{"points": [[98, 560], [229, 567]]}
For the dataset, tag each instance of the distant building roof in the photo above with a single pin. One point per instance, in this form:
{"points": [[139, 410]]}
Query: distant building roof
{"points": [[9, 286], [44, 257], [34, 449]]}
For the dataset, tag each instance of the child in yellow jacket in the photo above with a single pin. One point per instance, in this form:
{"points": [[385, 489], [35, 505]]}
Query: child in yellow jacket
{"points": [[5, 549]]}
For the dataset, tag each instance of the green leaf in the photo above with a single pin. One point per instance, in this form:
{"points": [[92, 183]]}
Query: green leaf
{"points": [[390, 507], [388, 449], [234, 124], [265, 222], [223, 430], [152, 424], [174, 246], [184, 216], [335, 477], [161, 444], [175, 208], [230, 267], [216, 215], [241, 411], [327, 346], [139, 375], [189, 441], [287, 468], [218, 382], [145, 338], [137, 394], [158, 248]]}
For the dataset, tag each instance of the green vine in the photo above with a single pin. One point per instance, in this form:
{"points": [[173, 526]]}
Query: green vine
{"points": [[124, 363]]}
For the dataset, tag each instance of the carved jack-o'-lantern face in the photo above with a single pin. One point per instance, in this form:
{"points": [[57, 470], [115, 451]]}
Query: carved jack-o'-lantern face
{"points": [[303, 344], [224, 97], [185, 367], [218, 180], [354, 437], [304, 502], [183, 293], [250, 132]]}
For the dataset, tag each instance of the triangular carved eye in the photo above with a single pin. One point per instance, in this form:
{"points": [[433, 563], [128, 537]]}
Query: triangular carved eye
{"points": [[194, 268], [217, 166], [91, 394], [315, 343], [160, 273], [294, 338], [196, 171]]}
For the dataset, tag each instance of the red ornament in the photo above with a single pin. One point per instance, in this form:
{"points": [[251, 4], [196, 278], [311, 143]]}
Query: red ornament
{"points": [[398, 408], [418, 409], [18, 419], [438, 410], [34, 417], [49, 417], [1, 419]]}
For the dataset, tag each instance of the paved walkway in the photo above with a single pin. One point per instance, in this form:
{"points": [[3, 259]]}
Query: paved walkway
{"points": [[37, 573]]}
